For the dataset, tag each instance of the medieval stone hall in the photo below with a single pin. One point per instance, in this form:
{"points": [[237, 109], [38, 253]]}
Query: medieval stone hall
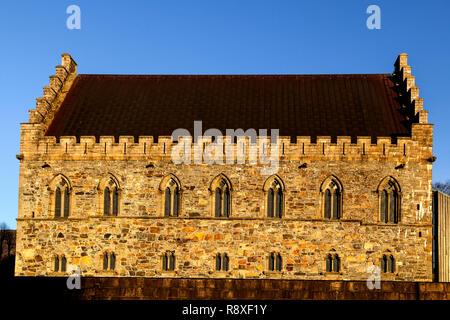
{"points": [[99, 191]]}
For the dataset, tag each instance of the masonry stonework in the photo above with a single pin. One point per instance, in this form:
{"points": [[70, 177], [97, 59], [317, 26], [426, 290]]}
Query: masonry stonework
{"points": [[140, 233]]}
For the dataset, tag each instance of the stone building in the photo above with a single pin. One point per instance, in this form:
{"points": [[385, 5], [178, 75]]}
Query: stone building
{"points": [[99, 189]]}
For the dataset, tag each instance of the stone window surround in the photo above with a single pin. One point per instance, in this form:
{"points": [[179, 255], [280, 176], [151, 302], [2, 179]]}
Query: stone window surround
{"points": [[215, 273], [333, 254], [214, 267], [275, 270], [56, 182], [60, 264], [388, 273], [162, 191], [101, 262], [168, 253], [267, 185], [384, 182], [216, 183], [331, 179], [101, 195]]}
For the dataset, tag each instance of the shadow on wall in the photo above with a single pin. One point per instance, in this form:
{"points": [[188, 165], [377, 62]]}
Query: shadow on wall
{"points": [[29, 289]]}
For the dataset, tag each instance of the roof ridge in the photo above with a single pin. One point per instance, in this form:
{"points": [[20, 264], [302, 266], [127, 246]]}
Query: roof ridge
{"points": [[235, 75]]}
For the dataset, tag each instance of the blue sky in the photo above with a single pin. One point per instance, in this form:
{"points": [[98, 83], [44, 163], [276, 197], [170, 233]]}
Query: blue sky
{"points": [[217, 37]]}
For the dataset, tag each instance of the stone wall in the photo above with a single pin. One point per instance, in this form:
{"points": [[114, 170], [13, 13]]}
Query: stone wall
{"points": [[243, 289], [139, 235]]}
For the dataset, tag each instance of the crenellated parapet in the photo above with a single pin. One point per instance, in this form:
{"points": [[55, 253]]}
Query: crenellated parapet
{"points": [[54, 93], [321, 148], [408, 90]]}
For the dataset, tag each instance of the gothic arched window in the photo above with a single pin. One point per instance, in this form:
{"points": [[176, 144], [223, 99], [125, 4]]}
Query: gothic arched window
{"points": [[333, 263], [274, 189], [106, 201], [275, 262], [109, 261], [225, 262], [61, 193], [336, 263], [168, 261], [170, 187], [56, 264], [63, 264], [221, 189], [279, 262], [271, 263], [218, 262], [329, 263], [222, 262], [389, 197], [391, 264], [332, 199], [115, 208], [383, 264], [387, 264], [111, 197], [60, 263], [105, 261], [58, 202], [112, 261]]}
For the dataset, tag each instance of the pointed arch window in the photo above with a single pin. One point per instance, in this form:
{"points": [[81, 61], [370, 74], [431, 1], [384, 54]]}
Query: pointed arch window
{"points": [[336, 263], [332, 200], [168, 261], [329, 263], [56, 264], [274, 191], [383, 264], [387, 263], [172, 198], [109, 261], [333, 263], [218, 262], [278, 262], [63, 264], [221, 189], [222, 262], [275, 262], [107, 201], [391, 264], [60, 263], [112, 261], [61, 201], [105, 261], [115, 208], [389, 198], [225, 262], [66, 202], [111, 197], [275, 200], [58, 202], [270, 198]]}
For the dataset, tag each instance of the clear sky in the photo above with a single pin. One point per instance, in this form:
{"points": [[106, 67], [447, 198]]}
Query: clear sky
{"points": [[217, 37]]}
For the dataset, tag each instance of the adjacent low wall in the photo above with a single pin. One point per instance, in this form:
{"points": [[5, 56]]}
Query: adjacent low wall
{"points": [[230, 289]]}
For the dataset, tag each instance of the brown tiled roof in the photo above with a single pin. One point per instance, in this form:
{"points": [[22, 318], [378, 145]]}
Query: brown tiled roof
{"points": [[297, 105]]}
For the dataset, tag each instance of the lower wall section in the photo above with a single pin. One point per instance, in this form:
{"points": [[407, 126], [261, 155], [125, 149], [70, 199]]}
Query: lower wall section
{"points": [[139, 244], [230, 289]]}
